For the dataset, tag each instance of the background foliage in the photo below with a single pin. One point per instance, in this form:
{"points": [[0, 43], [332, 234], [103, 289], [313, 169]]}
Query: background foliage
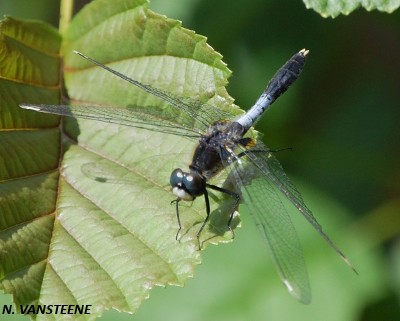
{"points": [[342, 120]]}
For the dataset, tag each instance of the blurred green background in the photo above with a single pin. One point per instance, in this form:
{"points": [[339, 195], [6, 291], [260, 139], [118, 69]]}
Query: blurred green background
{"points": [[342, 119]]}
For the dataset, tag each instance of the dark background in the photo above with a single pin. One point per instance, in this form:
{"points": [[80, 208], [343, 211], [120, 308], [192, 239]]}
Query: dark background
{"points": [[342, 118]]}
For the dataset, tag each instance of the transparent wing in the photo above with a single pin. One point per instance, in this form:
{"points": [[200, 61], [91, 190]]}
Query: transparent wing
{"points": [[266, 163], [127, 116], [201, 112], [186, 115], [171, 121], [261, 198]]}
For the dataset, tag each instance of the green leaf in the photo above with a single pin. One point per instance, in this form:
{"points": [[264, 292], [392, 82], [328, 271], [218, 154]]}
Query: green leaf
{"points": [[29, 155], [98, 226], [333, 8]]}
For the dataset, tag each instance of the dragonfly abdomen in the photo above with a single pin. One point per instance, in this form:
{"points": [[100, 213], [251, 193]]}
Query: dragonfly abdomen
{"points": [[281, 81]]}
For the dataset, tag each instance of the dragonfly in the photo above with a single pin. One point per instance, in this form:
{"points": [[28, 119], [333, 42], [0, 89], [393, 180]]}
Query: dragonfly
{"points": [[222, 144]]}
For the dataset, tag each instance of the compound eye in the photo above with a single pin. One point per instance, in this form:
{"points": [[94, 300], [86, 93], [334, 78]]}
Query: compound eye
{"points": [[194, 184], [176, 177]]}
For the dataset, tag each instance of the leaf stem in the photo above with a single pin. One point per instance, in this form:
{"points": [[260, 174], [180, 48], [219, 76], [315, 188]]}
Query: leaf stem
{"points": [[66, 11]]}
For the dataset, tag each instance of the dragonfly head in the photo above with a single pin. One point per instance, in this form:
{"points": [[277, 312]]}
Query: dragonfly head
{"points": [[187, 186]]}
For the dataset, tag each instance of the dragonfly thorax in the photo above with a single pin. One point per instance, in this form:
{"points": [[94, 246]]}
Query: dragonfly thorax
{"points": [[187, 186], [215, 147]]}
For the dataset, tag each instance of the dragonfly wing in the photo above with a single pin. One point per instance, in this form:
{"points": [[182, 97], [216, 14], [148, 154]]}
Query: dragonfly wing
{"points": [[184, 113], [268, 165], [262, 200], [190, 118], [120, 115], [201, 113]]}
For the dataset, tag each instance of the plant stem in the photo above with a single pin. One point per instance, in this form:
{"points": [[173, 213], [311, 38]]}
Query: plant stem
{"points": [[66, 11]]}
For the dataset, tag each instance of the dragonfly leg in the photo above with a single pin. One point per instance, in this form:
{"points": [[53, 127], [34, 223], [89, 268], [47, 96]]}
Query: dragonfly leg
{"points": [[234, 196], [207, 217], [177, 217]]}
